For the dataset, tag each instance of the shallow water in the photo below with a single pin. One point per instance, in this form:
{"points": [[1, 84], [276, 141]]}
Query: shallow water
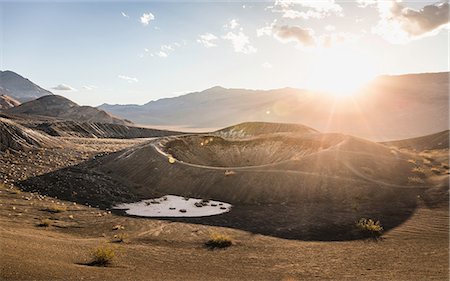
{"points": [[174, 206]]}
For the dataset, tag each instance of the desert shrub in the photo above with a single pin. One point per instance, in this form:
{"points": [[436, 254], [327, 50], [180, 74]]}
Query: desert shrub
{"points": [[415, 180], [119, 238], [55, 209], [44, 223], [217, 240], [419, 171], [370, 227], [435, 171], [102, 256], [118, 227]]}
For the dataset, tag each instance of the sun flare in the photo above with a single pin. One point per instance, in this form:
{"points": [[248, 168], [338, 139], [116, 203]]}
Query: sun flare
{"points": [[342, 72]]}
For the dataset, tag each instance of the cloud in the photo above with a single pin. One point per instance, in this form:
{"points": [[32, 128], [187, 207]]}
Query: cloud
{"points": [[207, 40], [167, 48], [162, 54], [146, 18], [128, 78], [89, 87], [124, 15], [399, 24], [266, 30], [266, 65], [240, 42], [305, 37], [64, 87], [164, 50], [306, 9], [233, 24]]}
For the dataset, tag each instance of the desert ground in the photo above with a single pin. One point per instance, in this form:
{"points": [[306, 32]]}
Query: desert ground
{"points": [[57, 194]]}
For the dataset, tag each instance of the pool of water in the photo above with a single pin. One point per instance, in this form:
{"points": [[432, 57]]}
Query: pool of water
{"points": [[175, 206]]}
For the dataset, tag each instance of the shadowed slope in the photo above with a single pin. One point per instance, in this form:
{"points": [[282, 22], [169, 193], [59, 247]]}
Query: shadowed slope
{"points": [[16, 137]]}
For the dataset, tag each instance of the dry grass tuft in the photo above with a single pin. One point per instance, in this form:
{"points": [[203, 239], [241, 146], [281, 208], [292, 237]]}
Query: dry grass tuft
{"points": [[45, 223], [218, 240], [370, 227], [55, 208]]}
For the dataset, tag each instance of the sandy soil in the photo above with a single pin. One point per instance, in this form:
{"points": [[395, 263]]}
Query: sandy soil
{"points": [[162, 250]]}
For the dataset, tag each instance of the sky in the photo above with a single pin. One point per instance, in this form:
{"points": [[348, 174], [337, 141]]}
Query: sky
{"points": [[134, 52]]}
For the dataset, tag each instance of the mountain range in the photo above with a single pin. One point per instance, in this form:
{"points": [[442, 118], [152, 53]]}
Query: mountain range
{"points": [[387, 108]]}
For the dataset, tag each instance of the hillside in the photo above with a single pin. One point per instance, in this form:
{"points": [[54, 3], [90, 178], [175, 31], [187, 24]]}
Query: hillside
{"points": [[7, 102], [373, 113], [18, 138], [20, 88], [435, 141], [293, 184], [59, 107]]}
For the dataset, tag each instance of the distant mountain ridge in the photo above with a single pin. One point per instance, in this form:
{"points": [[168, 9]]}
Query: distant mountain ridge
{"points": [[59, 107], [389, 107], [20, 88]]}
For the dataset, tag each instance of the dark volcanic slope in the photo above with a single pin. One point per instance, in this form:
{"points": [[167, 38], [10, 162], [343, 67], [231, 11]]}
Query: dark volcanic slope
{"points": [[16, 137], [97, 130], [280, 169], [20, 88], [62, 108], [8, 102], [292, 185], [435, 141]]}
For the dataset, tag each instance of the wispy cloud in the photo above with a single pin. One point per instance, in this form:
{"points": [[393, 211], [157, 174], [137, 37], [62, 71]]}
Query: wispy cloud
{"points": [[306, 9], [64, 87], [164, 50], [124, 15], [207, 40], [239, 40], [146, 18], [128, 78], [232, 24], [89, 87]]}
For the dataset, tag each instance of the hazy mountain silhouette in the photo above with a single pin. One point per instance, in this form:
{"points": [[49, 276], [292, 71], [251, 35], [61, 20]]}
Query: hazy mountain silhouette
{"points": [[389, 107]]}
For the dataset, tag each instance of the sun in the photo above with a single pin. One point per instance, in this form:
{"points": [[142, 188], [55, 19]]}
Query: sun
{"points": [[341, 72]]}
